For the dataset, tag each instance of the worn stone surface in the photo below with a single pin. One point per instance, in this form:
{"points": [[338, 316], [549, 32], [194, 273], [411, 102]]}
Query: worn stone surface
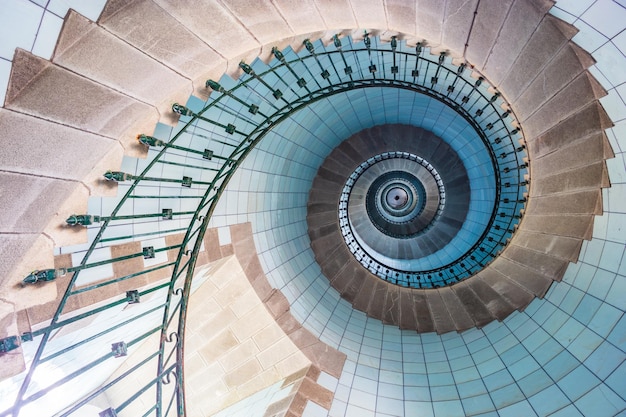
{"points": [[442, 321], [430, 16], [489, 20], [552, 78], [456, 308], [592, 176], [479, 313], [300, 16], [91, 51], [391, 312], [562, 247], [64, 97], [550, 36], [220, 34], [150, 29], [408, 320], [401, 15], [553, 268], [337, 14], [39, 199], [576, 95], [533, 281], [516, 295], [495, 303], [578, 226], [586, 151], [34, 146], [579, 202], [457, 22], [513, 36]]}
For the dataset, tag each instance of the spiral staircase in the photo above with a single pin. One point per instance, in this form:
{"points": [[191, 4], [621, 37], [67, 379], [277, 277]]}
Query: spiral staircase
{"points": [[226, 133]]}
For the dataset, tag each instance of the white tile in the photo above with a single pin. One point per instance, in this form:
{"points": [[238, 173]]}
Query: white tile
{"points": [[90, 9], [614, 106], [18, 26], [574, 7], [617, 198], [619, 130], [313, 410], [47, 35], [620, 41], [606, 16], [611, 62], [563, 15], [588, 38], [223, 234]]}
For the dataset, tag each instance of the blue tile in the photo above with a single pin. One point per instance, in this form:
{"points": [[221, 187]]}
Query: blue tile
{"points": [[417, 393], [569, 411], [548, 401], [578, 382], [587, 308], [418, 408], [562, 364], [604, 360], [600, 402], [448, 409], [523, 367], [618, 334], [584, 344], [617, 380], [517, 410], [442, 393], [505, 396], [534, 382], [477, 405]]}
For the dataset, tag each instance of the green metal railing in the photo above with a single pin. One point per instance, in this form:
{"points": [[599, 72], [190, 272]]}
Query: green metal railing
{"points": [[261, 99]]}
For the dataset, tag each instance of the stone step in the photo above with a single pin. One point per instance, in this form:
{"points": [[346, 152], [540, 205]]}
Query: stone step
{"points": [[550, 36], [391, 311], [362, 300], [578, 226], [489, 19], [575, 96], [377, 302], [562, 247], [517, 296], [88, 49], [442, 321], [458, 20], [513, 35], [425, 321], [408, 318], [579, 202], [584, 152], [532, 281], [76, 101], [586, 177], [476, 309], [147, 27], [457, 309], [552, 267], [497, 304], [553, 78]]}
